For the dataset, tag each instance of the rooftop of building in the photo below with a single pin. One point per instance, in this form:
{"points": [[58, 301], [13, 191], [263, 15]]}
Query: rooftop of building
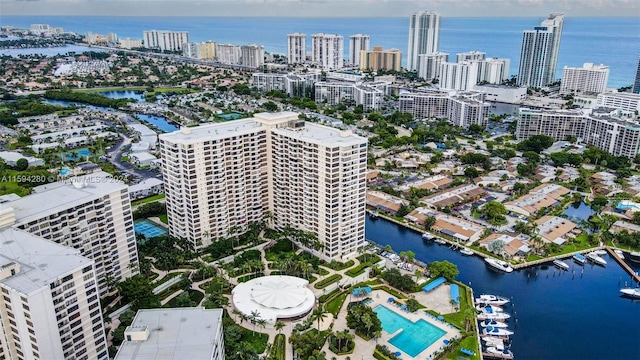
{"points": [[179, 333], [145, 184], [192, 135], [41, 261], [59, 196], [323, 135]]}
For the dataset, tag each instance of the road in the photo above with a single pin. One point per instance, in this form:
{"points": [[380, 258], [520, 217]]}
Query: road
{"points": [[115, 157]]}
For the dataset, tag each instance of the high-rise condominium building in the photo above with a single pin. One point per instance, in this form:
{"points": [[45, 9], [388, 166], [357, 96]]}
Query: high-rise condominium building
{"points": [[165, 40], [590, 79], [92, 215], [636, 84], [292, 84], [357, 43], [128, 43], [228, 54], [201, 50], [379, 59], [429, 64], [462, 109], [327, 50], [367, 94], [252, 55], [459, 76], [470, 56], [493, 70], [623, 101], [226, 175], [49, 304], [424, 35], [539, 53], [296, 48]]}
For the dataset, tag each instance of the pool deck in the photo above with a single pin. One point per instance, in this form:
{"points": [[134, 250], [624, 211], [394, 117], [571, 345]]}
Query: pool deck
{"points": [[364, 348]]}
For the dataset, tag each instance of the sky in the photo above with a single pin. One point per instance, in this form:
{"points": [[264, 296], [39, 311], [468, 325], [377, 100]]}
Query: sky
{"points": [[321, 8]]}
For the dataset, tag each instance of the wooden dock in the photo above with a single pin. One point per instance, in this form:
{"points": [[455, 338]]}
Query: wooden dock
{"points": [[624, 265]]}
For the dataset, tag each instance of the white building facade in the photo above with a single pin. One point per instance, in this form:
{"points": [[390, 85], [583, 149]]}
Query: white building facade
{"points": [[165, 40], [230, 174], [493, 70], [539, 53], [296, 48], [327, 50], [589, 79], [424, 36], [49, 303], [458, 76], [429, 64], [252, 55], [357, 43], [228, 54]]}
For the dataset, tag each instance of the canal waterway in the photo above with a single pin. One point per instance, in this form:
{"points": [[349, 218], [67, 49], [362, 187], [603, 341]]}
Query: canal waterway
{"points": [[558, 314]]}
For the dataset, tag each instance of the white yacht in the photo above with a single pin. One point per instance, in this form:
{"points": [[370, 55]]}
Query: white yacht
{"points": [[491, 299], [601, 252], [489, 308], [493, 316], [439, 241], [495, 352], [494, 323], [579, 258], [466, 251], [561, 264], [631, 292], [490, 330], [498, 264], [596, 259], [620, 253]]}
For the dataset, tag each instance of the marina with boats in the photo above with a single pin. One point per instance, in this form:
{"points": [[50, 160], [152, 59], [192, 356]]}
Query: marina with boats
{"points": [[493, 329]]}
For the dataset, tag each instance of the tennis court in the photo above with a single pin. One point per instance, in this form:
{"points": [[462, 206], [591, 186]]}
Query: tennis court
{"points": [[149, 229]]}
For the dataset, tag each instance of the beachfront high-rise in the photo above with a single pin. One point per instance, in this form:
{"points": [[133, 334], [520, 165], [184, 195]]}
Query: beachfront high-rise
{"points": [[165, 40], [296, 48], [380, 59], [539, 52], [327, 50], [429, 65], [636, 83], [424, 35], [252, 55], [49, 303], [227, 175], [92, 215], [589, 79], [357, 43]]}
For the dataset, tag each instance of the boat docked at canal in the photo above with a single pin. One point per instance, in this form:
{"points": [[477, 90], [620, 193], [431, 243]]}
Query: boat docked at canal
{"points": [[561, 264], [498, 264], [483, 315], [466, 251], [440, 241], [579, 258], [496, 353], [619, 253], [427, 237], [596, 259], [490, 330], [491, 299], [489, 308], [494, 323], [631, 292], [634, 257]]}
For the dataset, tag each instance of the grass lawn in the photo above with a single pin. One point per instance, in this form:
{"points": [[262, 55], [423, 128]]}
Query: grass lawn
{"points": [[167, 278], [471, 343], [335, 305], [255, 340], [327, 281], [147, 199], [163, 218], [279, 349]]}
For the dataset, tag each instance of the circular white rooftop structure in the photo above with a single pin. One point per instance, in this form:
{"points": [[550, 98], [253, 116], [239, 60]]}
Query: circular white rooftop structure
{"points": [[274, 297]]}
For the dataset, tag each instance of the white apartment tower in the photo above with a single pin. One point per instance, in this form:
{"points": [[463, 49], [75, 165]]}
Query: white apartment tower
{"points": [[424, 35], [49, 303], [165, 40], [92, 215], [357, 43], [458, 76], [539, 53], [429, 64], [470, 56], [228, 54], [327, 50], [493, 70], [296, 48], [590, 79], [252, 55], [309, 176]]}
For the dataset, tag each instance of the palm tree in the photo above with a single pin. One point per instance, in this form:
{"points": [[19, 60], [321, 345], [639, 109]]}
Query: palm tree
{"points": [[279, 325], [238, 313], [319, 314], [262, 323], [254, 317]]}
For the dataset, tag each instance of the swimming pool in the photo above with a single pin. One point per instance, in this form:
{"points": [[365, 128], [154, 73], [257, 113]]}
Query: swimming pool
{"points": [[76, 154], [625, 205], [148, 228], [414, 338]]}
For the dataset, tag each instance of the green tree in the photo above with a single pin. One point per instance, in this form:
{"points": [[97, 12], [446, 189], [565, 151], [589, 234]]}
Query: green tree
{"points": [[443, 268], [471, 172], [138, 290], [476, 128], [495, 212], [598, 203], [22, 164], [429, 221]]}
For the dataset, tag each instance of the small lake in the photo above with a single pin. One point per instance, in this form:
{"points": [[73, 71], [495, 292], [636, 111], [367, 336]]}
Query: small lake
{"points": [[136, 95], [159, 122], [578, 211], [49, 51]]}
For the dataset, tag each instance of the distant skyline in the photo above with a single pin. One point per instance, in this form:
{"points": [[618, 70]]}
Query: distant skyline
{"points": [[320, 8]]}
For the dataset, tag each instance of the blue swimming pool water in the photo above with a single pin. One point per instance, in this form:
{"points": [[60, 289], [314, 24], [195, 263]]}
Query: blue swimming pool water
{"points": [[622, 206], [148, 229], [230, 116], [414, 337], [76, 154]]}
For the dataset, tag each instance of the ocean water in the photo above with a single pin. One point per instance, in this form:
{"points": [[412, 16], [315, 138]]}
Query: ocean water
{"points": [[557, 314], [611, 41]]}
